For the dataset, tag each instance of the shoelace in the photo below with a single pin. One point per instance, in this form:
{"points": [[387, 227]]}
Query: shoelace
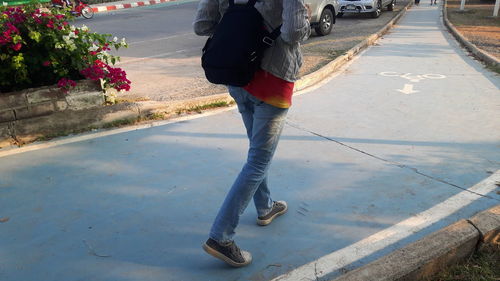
{"points": [[235, 250]]}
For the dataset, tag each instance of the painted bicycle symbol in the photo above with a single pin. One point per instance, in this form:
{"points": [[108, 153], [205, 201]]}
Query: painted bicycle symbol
{"points": [[412, 77], [415, 78]]}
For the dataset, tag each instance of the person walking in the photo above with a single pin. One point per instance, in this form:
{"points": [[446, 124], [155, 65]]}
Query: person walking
{"points": [[263, 105]]}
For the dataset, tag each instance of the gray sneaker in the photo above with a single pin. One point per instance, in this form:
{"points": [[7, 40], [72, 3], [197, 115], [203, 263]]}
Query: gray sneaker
{"points": [[279, 208], [230, 253]]}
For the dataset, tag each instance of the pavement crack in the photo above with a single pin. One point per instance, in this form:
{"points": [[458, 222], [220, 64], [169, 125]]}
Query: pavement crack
{"points": [[93, 252], [399, 165], [316, 271]]}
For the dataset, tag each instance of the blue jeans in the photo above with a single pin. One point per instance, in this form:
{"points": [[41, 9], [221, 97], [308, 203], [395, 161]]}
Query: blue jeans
{"points": [[264, 124]]}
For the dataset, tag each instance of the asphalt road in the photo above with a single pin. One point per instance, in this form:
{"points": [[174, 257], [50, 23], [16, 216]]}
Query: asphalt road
{"points": [[163, 60], [162, 30]]}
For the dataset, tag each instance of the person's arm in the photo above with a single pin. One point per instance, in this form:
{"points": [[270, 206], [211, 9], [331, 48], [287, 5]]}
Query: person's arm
{"points": [[296, 26], [207, 17]]}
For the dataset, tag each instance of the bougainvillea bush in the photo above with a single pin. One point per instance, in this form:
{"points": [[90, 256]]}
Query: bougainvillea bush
{"points": [[39, 47]]}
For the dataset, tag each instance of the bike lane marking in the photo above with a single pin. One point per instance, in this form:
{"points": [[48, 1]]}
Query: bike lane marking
{"points": [[380, 240], [415, 78]]}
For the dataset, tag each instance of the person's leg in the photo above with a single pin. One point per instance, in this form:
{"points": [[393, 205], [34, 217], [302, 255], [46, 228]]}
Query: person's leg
{"points": [[262, 198], [266, 126]]}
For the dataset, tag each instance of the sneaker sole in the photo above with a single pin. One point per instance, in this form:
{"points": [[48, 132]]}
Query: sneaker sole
{"points": [[211, 251], [269, 220]]}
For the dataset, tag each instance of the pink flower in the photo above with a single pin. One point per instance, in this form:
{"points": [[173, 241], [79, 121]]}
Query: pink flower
{"points": [[46, 63], [50, 24], [16, 47], [4, 39], [11, 28], [65, 84]]}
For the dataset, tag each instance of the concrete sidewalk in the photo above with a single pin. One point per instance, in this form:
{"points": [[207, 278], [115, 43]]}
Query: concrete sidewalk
{"points": [[377, 157]]}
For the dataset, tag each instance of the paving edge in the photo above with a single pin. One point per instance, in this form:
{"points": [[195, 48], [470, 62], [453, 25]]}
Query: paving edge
{"points": [[103, 8], [478, 53], [434, 252], [75, 121]]}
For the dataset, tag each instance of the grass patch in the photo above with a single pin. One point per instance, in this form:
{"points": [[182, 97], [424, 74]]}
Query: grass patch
{"points": [[200, 108], [482, 266], [476, 13], [120, 123], [61, 134], [494, 68]]}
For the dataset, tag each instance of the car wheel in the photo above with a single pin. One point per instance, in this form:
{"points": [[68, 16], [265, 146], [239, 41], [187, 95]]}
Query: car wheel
{"points": [[325, 23], [339, 15], [378, 11], [390, 7]]}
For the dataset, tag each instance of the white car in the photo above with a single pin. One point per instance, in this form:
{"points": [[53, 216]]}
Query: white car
{"points": [[323, 14], [373, 7]]}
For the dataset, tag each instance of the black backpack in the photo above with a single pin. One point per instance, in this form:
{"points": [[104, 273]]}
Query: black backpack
{"points": [[234, 52]]}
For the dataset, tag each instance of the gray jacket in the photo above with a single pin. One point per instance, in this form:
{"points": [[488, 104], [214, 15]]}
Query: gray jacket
{"points": [[284, 58]]}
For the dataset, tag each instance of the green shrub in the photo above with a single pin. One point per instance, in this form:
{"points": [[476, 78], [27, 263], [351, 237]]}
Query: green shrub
{"points": [[39, 47]]}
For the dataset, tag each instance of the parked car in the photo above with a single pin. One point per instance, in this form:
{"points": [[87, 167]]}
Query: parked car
{"points": [[323, 14], [373, 7]]}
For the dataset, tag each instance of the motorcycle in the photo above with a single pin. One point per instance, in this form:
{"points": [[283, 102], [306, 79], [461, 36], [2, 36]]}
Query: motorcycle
{"points": [[81, 8]]}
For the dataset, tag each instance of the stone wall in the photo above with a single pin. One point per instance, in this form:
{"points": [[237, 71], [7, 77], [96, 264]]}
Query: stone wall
{"points": [[29, 104], [47, 100]]}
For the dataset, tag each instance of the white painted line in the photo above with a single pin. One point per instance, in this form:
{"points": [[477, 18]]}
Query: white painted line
{"points": [[134, 5], [156, 56], [102, 9], [348, 255], [162, 38], [412, 78], [119, 6], [89, 136], [434, 76]]}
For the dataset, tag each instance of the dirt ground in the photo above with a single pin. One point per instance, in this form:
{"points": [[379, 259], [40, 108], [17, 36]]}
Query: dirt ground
{"points": [[477, 24]]}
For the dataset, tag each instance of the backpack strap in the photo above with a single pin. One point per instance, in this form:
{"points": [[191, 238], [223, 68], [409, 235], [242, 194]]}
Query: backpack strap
{"points": [[276, 32], [269, 40], [250, 3]]}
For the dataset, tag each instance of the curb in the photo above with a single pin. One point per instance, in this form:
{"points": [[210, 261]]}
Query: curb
{"points": [[429, 255], [478, 53], [100, 9]]}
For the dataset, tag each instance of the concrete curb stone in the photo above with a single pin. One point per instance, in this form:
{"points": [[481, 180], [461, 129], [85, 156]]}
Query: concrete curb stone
{"points": [[28, 130], [106, 8], [488, 225], [478, 53], [434, 252]]}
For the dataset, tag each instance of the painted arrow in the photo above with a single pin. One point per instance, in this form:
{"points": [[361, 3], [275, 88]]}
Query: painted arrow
{"points": [[408, 89]]}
